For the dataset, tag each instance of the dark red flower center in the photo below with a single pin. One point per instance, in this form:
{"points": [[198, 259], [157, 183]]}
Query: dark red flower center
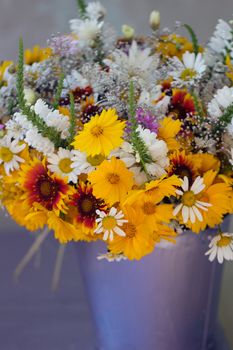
{"points": [[86, 204], [43, 188]]}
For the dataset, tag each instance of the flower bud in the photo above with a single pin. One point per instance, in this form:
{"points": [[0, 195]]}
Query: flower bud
{"points": [[30, 96], [155, 20], [127, 31]]}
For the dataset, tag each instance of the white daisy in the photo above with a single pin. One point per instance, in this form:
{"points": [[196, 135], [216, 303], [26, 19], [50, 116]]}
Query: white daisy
{"points": [[42, 144], [22, 129], [157, 150], [109, 223], [221, 38], [84, 164], [74, 80], [221, 247], [231, 159], [190, 206], [190, 69], [87, 30], [137, 62], [9, 154], [110, 257], [15, 130], [95, 10], [61, 164], [222, 99], [52, 118], [139, 175], [126, 153]]}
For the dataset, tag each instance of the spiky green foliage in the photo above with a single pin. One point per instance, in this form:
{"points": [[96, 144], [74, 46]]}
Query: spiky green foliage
{"points": [[193, 38], [59, 91], [20, 76], [10, 106], [225, 119], [72, 129], [137, 142], [82, 8], [198, 106], [50, 132]]}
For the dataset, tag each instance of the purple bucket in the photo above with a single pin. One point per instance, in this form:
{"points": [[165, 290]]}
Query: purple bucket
{"points": [[168, 300]]}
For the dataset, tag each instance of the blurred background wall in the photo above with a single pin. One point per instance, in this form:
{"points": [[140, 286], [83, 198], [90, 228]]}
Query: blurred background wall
{"points": [[36, 20]]}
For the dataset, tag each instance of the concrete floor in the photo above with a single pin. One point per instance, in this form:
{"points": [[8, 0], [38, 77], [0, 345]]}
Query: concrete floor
{"points": [[35, 21]]}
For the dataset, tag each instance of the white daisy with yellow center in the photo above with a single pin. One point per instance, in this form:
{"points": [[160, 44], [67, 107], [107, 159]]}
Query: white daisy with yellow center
{"points": [[190, 68], [84, 164], [221, 247], [190, 206], [61, 164], [9, 151], [109, 223]]}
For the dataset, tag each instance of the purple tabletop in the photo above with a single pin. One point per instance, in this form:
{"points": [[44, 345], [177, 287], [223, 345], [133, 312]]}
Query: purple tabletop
{"points": [[32, 317]]}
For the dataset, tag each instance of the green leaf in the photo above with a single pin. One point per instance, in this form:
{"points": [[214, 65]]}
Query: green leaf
{"points": [[228, 115], [193, 38], [82, 8]]}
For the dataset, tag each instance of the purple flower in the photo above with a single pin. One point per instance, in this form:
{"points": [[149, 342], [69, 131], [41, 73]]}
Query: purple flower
{"points": [[147, 120], [64, 45], [2, 126]]}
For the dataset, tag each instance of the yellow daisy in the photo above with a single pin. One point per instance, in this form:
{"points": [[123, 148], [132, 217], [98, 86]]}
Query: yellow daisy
{"points": [[164, 232], [137, 241], [36, 54], [63, 230], [229, 65], [174, 45], [168, 130], [111, 180], [3, 66], [101, 134], [206, 162], [154, 212], [165, 187]]}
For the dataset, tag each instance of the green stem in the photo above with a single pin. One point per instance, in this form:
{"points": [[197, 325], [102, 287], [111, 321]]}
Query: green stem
{"points": [[59, 91], [193, 38], [72, 128]]}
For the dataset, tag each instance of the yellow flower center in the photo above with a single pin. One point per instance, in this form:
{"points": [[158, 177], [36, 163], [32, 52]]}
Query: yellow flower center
{"points": [[114, 179], [45, 188], [188, 198], [224, 241], [95, 160], [97, 131], [188, 74], [109, 222], [6, 155], [149, 208], [65, 165], [129, 229], [87, 205]]}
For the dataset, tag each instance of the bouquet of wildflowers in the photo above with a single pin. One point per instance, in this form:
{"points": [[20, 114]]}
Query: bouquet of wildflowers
{"points": [[128, 140]]}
